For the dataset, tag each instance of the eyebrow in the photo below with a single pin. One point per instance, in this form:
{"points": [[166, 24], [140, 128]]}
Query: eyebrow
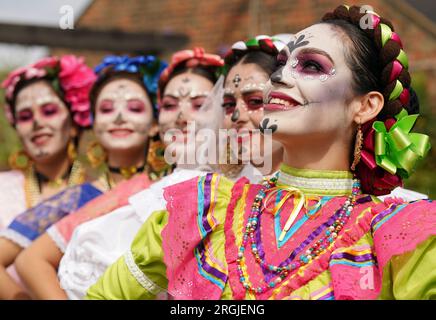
{"points": [[170, 95], [249, 91], [316, 51]]}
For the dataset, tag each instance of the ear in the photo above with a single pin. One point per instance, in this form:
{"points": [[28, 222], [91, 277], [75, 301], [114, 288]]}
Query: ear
{"points": [[74, 131], [369, 107]]}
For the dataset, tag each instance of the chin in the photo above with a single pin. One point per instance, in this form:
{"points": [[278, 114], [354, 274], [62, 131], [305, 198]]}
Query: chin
{"points": [[125, 147]]}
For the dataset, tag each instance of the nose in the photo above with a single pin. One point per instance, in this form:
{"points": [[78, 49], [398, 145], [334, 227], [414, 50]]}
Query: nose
{"points": [[240, 114], [38, 120], [119, 119], [181, 119], [278, 77]]}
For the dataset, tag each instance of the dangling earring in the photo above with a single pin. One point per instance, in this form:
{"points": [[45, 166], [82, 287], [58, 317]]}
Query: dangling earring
{"points": [[19, 160], [71, 151], [96, 154], [357, 147], [155, 155]]}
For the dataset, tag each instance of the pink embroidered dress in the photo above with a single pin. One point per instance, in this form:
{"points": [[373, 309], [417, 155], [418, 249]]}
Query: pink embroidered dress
{"points": [[385, 250]]}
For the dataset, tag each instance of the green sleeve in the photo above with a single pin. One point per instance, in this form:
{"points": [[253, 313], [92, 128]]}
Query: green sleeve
{"points": [[141, 272], [412, 276]]}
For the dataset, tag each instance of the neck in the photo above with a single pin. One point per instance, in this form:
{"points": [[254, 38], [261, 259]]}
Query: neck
{"points": [[319, 156], [127, 158], [277, 159], [55, 167]]}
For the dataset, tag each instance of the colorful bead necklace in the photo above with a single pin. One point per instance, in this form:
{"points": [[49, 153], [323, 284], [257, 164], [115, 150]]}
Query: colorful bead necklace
{"points": [[332, 227]]}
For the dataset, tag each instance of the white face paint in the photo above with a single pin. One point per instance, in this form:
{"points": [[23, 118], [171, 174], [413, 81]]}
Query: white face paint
{"points": [[307, 97], [183, 98], [123, 116], [43, 121], [183, 103], [243, 106]]}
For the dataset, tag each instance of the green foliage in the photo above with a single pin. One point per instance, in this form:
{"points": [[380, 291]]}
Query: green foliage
{"points": [[424, 179], [9, 141]]}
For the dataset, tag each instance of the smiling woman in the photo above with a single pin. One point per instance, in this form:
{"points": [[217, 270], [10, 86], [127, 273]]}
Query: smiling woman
{"points": [[47, 106]]}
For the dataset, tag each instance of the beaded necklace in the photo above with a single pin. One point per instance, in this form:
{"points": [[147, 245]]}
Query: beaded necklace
{"points": [[281, 271]]}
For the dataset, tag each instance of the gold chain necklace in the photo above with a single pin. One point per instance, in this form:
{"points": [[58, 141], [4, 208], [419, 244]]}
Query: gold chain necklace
{"points": [[31, 183]]}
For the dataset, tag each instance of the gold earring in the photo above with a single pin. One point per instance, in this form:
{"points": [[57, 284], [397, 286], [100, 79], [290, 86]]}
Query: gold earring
{"points": [[71, 150], [155, 155], [357, 147], [19, 160], [96, 154]]}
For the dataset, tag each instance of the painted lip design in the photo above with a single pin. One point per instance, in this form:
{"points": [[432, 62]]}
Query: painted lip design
{"points": [[120, 132], [278, 101], [40, 139]]}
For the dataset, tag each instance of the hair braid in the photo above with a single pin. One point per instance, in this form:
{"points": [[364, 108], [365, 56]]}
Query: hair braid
{"points": [[393, 78], [377, 61]]}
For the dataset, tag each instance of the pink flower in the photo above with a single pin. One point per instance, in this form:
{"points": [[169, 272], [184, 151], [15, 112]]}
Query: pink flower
{"points": [[11, 86], [48, 62], [74, 73], [83, 119], [32, 73]]}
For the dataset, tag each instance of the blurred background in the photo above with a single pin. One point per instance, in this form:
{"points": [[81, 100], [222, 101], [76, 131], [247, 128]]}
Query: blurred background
{"points": [[32, 29]]}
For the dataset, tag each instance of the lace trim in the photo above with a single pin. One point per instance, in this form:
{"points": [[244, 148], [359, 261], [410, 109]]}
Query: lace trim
{"points": [[318, 185], [143, 280], [15, 237], [57, 238]]}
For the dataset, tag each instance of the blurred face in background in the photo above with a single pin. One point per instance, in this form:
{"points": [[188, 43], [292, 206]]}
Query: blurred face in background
{"points": [[243, 106], [183, 103], [123, 116], [43, 121]]}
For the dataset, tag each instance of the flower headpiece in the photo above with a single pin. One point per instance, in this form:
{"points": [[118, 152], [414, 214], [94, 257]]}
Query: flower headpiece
{"points": [[271, 45], [69, 76], [191, 58], [148, 67]]}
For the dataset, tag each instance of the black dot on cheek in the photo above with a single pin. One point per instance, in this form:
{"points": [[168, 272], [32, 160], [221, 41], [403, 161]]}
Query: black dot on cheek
{"points": [[273, 128]]}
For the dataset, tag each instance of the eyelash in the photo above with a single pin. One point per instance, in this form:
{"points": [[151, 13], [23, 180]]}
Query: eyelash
{"points": [[252, 103], [50, 109], [106, 108], [24, 116], [310, 63], [136, 107], [281, 61]]}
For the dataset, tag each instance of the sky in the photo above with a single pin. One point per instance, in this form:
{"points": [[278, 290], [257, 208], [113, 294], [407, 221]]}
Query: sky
{"points": [[38, 12], [32, 12]]}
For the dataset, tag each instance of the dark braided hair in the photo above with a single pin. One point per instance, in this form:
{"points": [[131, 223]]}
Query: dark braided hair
{"points": [[378, 63], [371, 58]]}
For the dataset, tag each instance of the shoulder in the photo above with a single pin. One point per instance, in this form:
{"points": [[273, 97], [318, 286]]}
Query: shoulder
{"points": [[12, 195], [11, 178]]}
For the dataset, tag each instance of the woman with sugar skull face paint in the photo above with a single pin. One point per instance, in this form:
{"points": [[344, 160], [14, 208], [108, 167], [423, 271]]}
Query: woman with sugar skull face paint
{"points": [[187, 93], [47, 105], [314, 231], [129, 140], [249, 65]]}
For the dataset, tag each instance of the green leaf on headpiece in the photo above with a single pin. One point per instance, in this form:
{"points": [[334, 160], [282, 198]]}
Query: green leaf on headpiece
{"points": [[252, 43], [222, 70], [56, 85], [51, 72]]}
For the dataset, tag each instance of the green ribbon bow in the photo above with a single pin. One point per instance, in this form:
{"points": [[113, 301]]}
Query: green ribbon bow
{"points": [[398, 150]]}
